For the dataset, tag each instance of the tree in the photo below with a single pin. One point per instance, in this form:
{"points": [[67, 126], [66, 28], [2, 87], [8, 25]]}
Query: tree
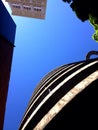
{"points": [[86, 10]]}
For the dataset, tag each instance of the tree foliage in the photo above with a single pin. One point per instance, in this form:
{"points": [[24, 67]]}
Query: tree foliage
{"points": [[86, 10]]}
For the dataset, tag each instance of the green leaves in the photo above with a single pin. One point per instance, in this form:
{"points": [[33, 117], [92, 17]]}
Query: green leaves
{"points": [[94, 21], [86, 10]]}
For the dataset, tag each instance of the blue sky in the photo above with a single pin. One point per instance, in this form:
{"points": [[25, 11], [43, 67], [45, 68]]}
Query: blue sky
{"points": [[41, 46]]}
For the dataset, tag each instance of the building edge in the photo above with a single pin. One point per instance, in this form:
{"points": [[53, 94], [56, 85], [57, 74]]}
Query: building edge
{"points": [[7, 41]]}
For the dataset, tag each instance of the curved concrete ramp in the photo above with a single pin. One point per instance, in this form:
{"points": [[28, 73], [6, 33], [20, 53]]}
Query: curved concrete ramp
{"points": [[65, 98]]}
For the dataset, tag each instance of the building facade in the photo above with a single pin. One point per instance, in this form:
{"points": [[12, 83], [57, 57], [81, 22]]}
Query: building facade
{"points": [[28, 8], [7, 37], [66, 98]]}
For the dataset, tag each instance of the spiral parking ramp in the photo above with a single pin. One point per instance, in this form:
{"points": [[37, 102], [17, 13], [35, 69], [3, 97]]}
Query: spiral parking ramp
{"points": [[65, 98]]}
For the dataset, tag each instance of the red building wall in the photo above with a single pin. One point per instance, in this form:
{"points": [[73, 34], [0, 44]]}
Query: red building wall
{"points": [[7, 38], [6, 53]]}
